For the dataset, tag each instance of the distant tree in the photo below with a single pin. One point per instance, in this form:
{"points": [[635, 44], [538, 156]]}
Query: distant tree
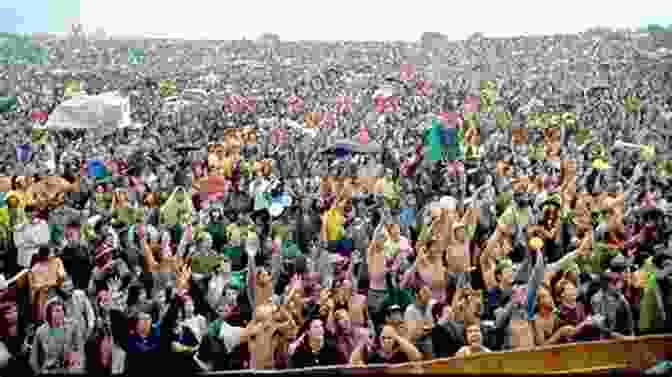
{"points": [[100, 34], [429, 39], [655, 28]]}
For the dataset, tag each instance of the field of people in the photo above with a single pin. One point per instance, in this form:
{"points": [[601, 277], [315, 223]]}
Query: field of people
{"points": [[249, 205]]}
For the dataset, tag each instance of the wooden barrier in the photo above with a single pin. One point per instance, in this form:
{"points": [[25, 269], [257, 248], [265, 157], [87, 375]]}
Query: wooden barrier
{"points": [[581, 358], [589, 358]]}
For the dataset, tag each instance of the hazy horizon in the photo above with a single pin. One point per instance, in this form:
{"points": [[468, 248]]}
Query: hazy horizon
{"points": [[346, 20]]}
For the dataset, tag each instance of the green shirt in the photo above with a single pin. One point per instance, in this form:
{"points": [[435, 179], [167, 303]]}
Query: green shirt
{"points": [[514, 215]]}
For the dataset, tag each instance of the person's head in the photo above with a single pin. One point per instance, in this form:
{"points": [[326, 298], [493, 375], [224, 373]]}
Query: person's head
{"points": [[180, 195], [206, 243], [473, 336], [343, 293], [459, 234], [188, 308], [68, 285], [263, 275], [9, 315], [154, 239], [395, 318], [343, 319], [55, 313], [224, 309], [315, 329], [161, 296], [566, 292], [388, 339], [424, 295], [522, 197], [13, 202], [504, 272], [136, 294], [44, 252], [142, 324], [551, 213]]}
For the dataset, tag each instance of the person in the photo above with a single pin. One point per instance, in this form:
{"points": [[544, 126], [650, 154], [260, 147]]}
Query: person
{"points": [[57, 346], [46, 272], [347, 336], [220, 349], [419, 320], [473, 339], [144, 342], [313, 348], [391, 348]]}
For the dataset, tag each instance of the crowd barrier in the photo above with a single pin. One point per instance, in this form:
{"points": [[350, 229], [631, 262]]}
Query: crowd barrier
{"points": [[588, 358]]}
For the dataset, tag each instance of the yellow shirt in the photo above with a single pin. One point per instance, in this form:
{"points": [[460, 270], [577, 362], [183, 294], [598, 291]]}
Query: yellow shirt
{"points": [[335, 221]]}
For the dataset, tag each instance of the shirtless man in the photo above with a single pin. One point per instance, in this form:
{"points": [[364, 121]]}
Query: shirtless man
{"points": [[261, 343]]}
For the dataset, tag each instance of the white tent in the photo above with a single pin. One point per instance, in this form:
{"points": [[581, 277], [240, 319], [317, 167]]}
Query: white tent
{"points": [[107, 111]]}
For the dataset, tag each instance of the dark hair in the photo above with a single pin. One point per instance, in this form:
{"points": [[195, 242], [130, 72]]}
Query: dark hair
{"points": [[78, 265], [44, 251], [437, 310], [134, 294]]}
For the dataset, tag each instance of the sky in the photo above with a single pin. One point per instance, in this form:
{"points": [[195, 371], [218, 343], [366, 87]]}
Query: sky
{"points": [[332, 20]]}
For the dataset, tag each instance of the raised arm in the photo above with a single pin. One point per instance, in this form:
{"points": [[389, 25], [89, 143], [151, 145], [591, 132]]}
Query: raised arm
{"points": [[504, 316], [150, 263], [182, 247], [324, 267], [535, 282], [487, 260], [276, 266], [251, 283]]}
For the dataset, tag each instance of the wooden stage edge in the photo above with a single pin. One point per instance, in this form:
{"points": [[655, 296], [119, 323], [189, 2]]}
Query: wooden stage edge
{"points": [[575, 358]]}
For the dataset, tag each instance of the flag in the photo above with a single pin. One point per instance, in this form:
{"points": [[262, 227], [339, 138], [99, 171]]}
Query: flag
{"points": [[7, 104], [649, 305], [435, 141], [167, 88], [136, 56]]}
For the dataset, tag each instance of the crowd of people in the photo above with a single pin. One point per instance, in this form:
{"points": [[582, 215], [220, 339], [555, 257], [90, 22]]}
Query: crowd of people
{"points": [[383, 209]]}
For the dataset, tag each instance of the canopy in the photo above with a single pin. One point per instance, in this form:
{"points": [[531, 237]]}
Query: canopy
{"points": [[107, 112]]}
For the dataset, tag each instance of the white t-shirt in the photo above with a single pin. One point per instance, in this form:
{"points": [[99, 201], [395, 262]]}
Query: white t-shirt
{"points": [[230, 335]]}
